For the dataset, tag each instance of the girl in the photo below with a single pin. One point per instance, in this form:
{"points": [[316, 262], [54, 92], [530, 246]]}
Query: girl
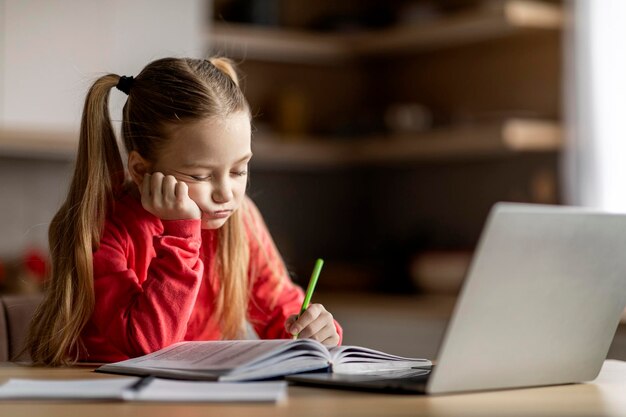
{"points": [[173, 249]]}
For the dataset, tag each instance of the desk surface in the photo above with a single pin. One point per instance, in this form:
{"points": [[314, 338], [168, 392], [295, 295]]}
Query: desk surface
{"points": [[602, 397]]}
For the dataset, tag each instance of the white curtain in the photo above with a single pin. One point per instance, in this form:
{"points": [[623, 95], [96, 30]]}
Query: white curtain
{"points": [[595, 104]]}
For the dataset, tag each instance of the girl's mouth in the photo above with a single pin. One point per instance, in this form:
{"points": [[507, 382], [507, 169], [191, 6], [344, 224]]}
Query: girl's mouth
{"points": [[222, 214]]}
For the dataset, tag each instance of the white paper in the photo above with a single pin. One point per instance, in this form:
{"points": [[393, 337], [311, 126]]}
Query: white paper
{"points": [[74, 389], [162, 390]]}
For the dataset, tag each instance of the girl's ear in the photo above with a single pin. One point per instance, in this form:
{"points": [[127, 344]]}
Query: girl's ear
{"points": [[137, 167]]}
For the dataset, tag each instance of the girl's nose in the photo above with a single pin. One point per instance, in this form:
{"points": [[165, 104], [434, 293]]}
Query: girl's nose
{"points": [[222, 194]]}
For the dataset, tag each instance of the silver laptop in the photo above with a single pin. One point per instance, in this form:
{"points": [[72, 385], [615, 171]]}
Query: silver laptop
{"points": [[540, 306]]}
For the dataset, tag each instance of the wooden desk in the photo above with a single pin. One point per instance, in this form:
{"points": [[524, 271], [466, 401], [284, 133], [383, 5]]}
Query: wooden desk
{"points": [[603, 397]]}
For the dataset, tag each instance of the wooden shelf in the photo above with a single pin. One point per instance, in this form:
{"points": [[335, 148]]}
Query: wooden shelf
{"points": [[52, 144], [297, 46], [240, 41], [510, 17], [487, 140]]}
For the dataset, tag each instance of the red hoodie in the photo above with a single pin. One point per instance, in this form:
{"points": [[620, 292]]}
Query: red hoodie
{"points": [[155, 284]]}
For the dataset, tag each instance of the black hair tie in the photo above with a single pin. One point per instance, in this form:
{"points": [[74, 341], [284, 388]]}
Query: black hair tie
{"points": [[125, 83]]}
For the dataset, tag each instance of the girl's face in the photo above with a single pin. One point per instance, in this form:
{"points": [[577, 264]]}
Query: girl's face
{"points": [[212, 157]]}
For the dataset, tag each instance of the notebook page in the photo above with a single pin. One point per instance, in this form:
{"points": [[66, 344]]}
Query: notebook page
{"points": [[348, 353], [215, 355], [356, 359]]}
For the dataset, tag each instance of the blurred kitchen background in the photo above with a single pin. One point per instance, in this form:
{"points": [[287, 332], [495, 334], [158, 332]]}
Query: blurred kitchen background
{"points": [[384, 131]]}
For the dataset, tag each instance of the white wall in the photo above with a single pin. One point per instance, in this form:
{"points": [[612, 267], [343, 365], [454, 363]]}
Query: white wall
{"points": [[51, 50], [596, 105], [50, 53]]}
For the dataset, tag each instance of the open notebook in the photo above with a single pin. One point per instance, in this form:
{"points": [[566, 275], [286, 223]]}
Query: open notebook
{"points": [[245, 360]]}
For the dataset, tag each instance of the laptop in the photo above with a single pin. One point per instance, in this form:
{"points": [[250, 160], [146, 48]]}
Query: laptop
{"points": [[540, 305]]}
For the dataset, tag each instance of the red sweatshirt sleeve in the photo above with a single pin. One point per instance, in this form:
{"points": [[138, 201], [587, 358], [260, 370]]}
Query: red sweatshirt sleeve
{"points": [[274, 297], [136, 315]]}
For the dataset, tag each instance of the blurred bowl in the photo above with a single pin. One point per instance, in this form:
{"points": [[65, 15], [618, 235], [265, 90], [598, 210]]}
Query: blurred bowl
{"points": [[440, 271]]}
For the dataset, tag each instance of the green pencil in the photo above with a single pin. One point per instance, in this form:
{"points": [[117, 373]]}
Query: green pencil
{"points": [[309, 291]]}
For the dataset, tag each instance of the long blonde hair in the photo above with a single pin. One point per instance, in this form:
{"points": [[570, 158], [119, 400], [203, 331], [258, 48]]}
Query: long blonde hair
{"points": [[167, 92]]}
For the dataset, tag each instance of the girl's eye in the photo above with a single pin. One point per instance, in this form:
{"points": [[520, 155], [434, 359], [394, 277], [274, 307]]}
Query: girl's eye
{"points": [[200, 177], [240, 173]]}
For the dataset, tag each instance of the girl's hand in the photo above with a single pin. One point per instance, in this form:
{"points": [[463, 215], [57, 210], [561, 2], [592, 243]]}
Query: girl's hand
{"points": [[315, 323], [167, 198]]}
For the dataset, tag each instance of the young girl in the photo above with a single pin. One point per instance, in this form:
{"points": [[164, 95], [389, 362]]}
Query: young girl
{"points": [[174, 250]]}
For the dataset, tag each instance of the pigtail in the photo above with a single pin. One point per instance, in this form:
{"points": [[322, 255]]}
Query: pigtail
{"points": [[227, 67], [232, 262], [74, 234]]}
